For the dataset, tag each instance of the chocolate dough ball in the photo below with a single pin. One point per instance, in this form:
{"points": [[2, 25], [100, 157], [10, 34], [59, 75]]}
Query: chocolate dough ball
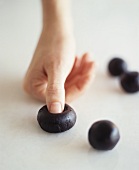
{"points": [[130, 82], [117, 66], [56, 123], [103, 135]]}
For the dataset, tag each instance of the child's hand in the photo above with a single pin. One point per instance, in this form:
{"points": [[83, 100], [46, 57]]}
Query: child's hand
{"points": [[55, 75]]}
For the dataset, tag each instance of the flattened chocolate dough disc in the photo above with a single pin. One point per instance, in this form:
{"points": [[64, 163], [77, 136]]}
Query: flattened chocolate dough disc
{"points": [[56, 123]]}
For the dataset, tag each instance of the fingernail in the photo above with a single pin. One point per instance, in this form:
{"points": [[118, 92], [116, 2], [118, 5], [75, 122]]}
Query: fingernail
{"points": [[55, 107]]}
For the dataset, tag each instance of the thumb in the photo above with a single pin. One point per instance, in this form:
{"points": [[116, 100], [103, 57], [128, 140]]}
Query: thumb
{"points": [[55, 93]]}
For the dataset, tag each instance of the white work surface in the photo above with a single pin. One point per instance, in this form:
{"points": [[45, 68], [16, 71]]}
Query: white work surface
{"points": [[104, 27]]}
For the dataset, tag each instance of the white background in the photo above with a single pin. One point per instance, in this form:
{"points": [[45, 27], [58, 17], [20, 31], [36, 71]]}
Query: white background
{"points": [[106, 28]]}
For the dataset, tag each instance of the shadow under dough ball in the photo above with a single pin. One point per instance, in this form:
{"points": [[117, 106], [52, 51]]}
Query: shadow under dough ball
{"points": [[103, 135], [117, 66], [56, 123], [130, 82]]}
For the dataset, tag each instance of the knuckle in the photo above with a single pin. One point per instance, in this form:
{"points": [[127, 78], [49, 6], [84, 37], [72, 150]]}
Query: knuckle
{"points": [[26, 86], [29, 87], [54, 89], [35, 86]]}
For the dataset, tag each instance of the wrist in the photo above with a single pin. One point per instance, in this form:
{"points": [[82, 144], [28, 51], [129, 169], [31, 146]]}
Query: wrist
{"points": [[56, 15], [57, 30]]}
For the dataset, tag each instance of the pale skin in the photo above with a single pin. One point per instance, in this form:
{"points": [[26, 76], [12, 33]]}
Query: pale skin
{"points": [[56, 75]]}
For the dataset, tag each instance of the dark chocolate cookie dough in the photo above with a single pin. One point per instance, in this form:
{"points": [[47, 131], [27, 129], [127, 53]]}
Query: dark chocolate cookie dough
{"points": [[117, 67], [130, 82], [56, 123], [103, 135]]}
